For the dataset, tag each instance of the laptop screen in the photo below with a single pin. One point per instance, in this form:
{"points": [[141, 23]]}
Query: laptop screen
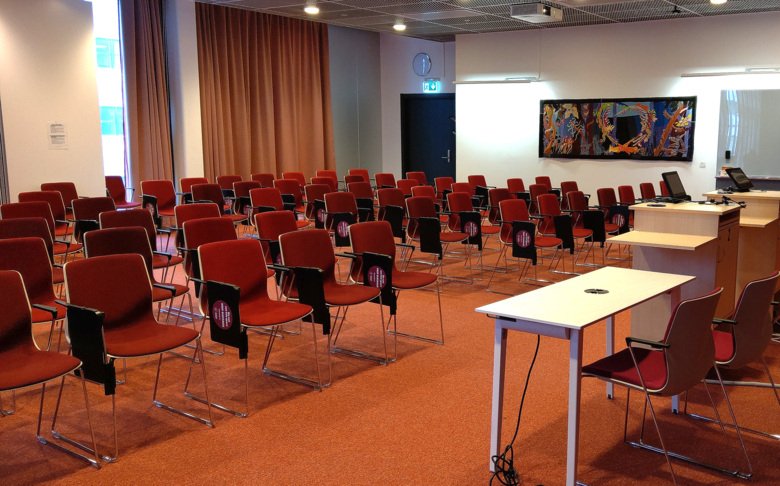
{"points": [[674, 184], [741, 181]]}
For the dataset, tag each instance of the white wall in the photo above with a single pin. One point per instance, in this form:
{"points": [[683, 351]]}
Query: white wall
{"points": [[498, 124], [398, 78], [47, 74], [184, 88]]}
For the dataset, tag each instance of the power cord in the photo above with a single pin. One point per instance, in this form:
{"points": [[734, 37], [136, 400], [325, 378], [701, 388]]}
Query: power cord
{"points": [[503, 465]]}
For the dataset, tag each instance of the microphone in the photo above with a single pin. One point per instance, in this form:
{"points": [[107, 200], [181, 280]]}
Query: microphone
{"points": [[726, 200]]}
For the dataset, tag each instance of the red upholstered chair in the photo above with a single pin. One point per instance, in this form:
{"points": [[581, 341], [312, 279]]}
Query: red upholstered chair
{"points": [[495, 196], [627, 196], [607, 198], [292, 191], [62, 227], [116, 190], [200, 231], [32, 228], [270, 199], [545, 181], [424, 226], [348, 179], [480, 189], [567, 187], [443, 186], [384, 180], [162, 190], [313, 249], [241, 201], [86, 212], [363, 173], [515, 185], [664, 190], [535, 191], [392, 209], [460, 202], [39, 210], [550, 210], [266, 179], [270, 225], [296, 176], [237, 269], [341, 211], [226, 182], [188, 212], [671, 366], [424, 191], [332, 184], [213, 193], [143, 218], [110, 297], [376, 237], [66, 189], [315, 202], [24, 365], [364, 197], [647, 191], [185, 185], [463, 187], [30, 257], [115, 241], [406, 185], [330, 174], [418, 176]]}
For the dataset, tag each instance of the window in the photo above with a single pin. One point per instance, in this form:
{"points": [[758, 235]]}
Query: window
{"points": [[106, 50], [111, 122]]}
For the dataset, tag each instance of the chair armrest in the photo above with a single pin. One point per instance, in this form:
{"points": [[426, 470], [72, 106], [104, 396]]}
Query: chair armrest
{"points": [[68, 304], [164, 231], [47, 308], [198, 280], [718, 320], [169, 288], [64, 221], [185, 250], [348, 254], [653, 344], [58, 265], [405, 245], [280, 268]]}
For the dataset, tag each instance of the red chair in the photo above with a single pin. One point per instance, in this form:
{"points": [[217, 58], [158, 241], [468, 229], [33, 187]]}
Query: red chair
{"points": [[364, 198], [296, 176], [42, 210], [62, 227], [376, 237], [664, 190], [188, 212], [109, 297], [463, 187], [24, 365], [198, 232], [226, 182], [459, 203], [30, 257], [418, 176], [350, 178], [185, 185], [241, 203], [647, 191], [341, 211], [480, 189], [363, 173], [330, 174], [424, 226], [608, 204], [270, 199], [213, 193], [116, 190], [270, 225], [424, 191], [86, 212], [627, 196], [332, 184], [671, 366], [162, 191], [515, 185], [33, 228], [550, 211], [443, 186], [312, 249], [545, 181], [66, 189], [536, 190], [567, 187], [292, 191], [392, 209], [384, 180], [495, 196], [406, 185], [264, 178], [315, 203]]}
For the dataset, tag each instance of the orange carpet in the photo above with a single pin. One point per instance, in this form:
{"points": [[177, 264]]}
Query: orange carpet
{"points": [[422, 420]]}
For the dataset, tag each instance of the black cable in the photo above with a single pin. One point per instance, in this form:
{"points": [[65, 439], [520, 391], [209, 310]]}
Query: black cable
{"points": [[503, 465]]}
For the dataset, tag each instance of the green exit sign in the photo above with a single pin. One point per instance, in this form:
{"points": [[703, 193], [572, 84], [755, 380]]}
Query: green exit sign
{"points": [[432, 85]]}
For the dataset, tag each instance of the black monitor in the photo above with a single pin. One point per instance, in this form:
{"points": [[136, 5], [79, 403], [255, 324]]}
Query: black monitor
{"points": [[741, 182], [674, 184]]}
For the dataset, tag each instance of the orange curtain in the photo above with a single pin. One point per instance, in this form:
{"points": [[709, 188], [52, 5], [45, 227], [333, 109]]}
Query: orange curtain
{"points": [[264, 92], [148, 118]]}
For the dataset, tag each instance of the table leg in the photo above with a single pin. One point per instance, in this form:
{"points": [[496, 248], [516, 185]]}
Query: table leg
{"points": [[610, 349], [499, 360], [575, 367], [675, 295]]}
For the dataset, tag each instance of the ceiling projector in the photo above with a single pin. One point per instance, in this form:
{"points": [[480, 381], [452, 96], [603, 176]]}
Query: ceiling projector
{"points": [[536, 13]]}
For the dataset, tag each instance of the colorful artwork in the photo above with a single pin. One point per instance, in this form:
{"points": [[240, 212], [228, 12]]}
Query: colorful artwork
{"points": [[647, 129]]}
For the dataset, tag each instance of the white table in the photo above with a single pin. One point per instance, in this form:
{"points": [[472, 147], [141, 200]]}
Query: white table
{"points": [[563, 310]]}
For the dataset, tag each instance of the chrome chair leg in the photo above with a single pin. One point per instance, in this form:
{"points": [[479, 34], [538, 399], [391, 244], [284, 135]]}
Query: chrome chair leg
{"points": [[93, 461], [396, 333], [360, 354], [10, 411], [199, 355], [317, 385]]}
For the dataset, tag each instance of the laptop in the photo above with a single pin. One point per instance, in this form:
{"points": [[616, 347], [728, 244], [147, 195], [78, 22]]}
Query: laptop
{"points": [[742, 182]]}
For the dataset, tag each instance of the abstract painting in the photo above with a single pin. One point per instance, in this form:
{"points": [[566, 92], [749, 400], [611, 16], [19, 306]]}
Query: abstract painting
{"points": [[626, 128]]}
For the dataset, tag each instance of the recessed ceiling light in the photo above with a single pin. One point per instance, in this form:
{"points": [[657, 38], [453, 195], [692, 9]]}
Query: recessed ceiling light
{"points": [[399, 25], [311, 8], [717, 2]]}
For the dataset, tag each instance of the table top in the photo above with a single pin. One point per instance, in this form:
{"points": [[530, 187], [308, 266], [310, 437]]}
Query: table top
{"points": [[672, 241], [752, 194], [686, 207], [566, 304]]}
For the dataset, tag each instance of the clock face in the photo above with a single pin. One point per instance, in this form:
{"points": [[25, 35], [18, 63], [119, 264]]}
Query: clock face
{"points": [[421, 64]]}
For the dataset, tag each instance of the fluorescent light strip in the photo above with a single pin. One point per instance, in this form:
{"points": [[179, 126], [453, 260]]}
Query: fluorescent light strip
{"points": [[510, 80], [762, 70]]}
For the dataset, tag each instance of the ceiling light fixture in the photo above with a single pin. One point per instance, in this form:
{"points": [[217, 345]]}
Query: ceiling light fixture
{"points": [[753, 70], [717, 2], [399, 25], [311, 8]]}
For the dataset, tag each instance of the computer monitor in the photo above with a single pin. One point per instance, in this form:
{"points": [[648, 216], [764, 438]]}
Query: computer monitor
{"points": [[741, 182], [674, 184]]}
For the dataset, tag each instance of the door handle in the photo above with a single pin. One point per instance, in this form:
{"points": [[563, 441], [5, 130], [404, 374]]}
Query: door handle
{"points": [[447, 156]]}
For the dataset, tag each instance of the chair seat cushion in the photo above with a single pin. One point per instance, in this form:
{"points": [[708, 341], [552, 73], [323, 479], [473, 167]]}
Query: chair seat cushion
{"points": [[620, 367], [548, 241], [39, 315], [166, 212], [300, 223], [490, 229], [611, 227], [62, 248], [724, 345], [25, 366], [337, 294], [159, 294], [412, 280], [452, 236], [161, 261], [235, 217], [582, 233], [146, 337], [126, 205], [267, 312]]}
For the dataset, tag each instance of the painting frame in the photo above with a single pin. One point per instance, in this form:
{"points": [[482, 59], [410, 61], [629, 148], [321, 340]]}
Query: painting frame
{"points": [[638, 128]]}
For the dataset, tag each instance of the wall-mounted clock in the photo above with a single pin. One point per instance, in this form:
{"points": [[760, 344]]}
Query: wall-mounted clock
{"points": [[421, 64]]}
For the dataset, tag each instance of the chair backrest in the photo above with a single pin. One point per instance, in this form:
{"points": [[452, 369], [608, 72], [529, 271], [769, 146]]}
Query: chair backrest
{"points": [[332, 184], [443, 184], [117, 285], [66, 189], [209, 192], [406, 185], [664, 189], [549, 208], [89, 208], [115, 188], [372, 237], [420, 207], [340, 202], [418, 176], [647, 190], [476, 180], [753, 314], [163, 190], [515, 185], [458, 202], [545, 181], [691, 351], [350, 178], [511, 210], [424, 191], [267, 196], [536, 190], [242, 188], [28, 227], [272, 224], [332, 174], [16, 318], [226, 181], [390, 197], [238, 262], [187, 212], [115, 241], [296, 176], [266, 179], [384, 180], [29, 257], [495, 196], [204, 230], [363, 173], [361, 189], [577, 201], [626, 194], [133, 217], [291, 186], [606, 196], [52, 198], [462, 187], [33, 209], [186, 183], [315, 192], [567, 187], [310, 248]]}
